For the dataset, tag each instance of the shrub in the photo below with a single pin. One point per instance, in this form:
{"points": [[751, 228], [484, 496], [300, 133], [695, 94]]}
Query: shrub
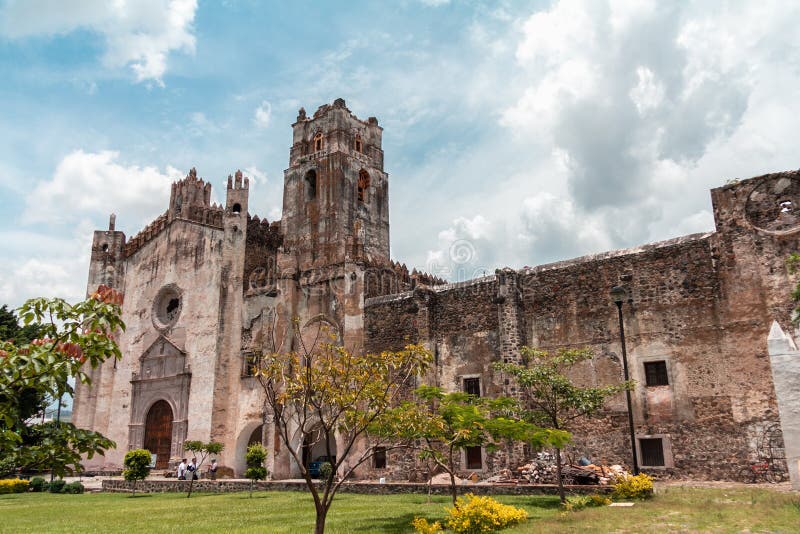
{"points": [[421, 526], [633, 487], [38, 484], [57, 486], [13, 485], [325, 470], [136, 464], [473, 514], [579, 502], [74, 488]]}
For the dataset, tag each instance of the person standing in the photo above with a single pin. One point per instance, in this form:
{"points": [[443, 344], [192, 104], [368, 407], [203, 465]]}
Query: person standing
{"points": [[192, 469], [182, 470], [212, 470]]}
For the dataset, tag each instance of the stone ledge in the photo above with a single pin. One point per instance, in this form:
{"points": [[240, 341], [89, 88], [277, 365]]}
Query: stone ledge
{"points": [[369, 488]]}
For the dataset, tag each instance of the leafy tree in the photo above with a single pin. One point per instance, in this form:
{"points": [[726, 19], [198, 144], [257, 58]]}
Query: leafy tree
{"points": [[330, 396], [440, 425], [71, 339], [255, 457], [550, 394], [202, 449], [137, 466]]}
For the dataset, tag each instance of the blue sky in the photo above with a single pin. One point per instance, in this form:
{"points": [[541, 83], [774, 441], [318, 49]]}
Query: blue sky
{"points": [[515, 133]]}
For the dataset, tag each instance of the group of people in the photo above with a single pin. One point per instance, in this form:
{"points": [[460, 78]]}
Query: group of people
{"points": [[188, 471]]}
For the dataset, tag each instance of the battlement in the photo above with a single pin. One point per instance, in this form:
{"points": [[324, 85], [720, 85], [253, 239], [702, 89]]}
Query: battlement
{"points": [[236, 183], [395, 277], [188, 193]]}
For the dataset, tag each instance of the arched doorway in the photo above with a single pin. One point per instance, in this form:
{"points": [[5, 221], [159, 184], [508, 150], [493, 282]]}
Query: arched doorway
{"points": [[257, 436], [158, 433]]}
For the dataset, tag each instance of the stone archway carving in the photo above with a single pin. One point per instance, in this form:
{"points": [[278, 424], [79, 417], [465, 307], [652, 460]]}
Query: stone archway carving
{"points": [[163, 377]]}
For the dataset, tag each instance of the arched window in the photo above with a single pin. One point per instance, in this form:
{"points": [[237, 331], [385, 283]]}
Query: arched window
{"points": [[318, 142], [359, 144], [363, 184], [311, 185], [237, 208]]}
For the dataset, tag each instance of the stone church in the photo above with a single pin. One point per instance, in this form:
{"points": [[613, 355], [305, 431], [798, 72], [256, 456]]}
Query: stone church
{"points": [[208, 287]]}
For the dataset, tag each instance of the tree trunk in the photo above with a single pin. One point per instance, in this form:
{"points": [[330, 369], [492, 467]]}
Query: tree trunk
{"points": [[319, 526], [561, 493], [191, 484], [134, 489], [251, 488], [453, 488]]}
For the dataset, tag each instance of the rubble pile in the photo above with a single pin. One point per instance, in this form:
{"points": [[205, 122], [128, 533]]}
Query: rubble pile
{"points": [[542, 470]]}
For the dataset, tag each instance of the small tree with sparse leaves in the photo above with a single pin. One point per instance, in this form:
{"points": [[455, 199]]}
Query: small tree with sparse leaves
{"points": [[553, 400], [137, 466], [255, 457], [203, 450]]}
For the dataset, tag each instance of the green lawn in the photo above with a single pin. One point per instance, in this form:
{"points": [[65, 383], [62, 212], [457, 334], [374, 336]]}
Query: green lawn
{"points": [[673, 510]]}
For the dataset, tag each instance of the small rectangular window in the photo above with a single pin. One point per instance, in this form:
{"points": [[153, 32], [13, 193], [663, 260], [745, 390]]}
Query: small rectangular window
{"points": [[652, 450], [379, 458], [250, 360], [474, 460], [655, 373], [472, 386]]}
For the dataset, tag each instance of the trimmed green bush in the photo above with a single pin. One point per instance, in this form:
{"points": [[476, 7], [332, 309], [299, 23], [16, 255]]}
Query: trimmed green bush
{"points": [[38, 484], [74, 488], [57, 486]]}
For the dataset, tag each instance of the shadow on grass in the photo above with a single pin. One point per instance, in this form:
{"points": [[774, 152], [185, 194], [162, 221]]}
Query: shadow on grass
{"points": [[140, 495], [395, 524], [548, 503]]}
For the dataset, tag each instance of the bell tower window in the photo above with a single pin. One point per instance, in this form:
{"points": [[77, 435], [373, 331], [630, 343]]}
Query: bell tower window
{"points": [[318, 142], [363, 184], [311, 185]]}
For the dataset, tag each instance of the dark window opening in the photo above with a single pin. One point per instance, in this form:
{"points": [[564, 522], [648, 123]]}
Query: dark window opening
{"points": [[379, 458], [318, 142], [105, 247], [249, 364], [311, 185], [655, 373], [363, 184], [474, 460], [237, 208], [652, 450], [472, 386]]}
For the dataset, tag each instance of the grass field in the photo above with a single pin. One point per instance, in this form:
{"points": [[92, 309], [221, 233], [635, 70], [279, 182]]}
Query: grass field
{"points": [[673, 510]]}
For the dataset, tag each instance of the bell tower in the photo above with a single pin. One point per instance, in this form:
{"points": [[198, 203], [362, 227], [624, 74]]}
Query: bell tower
{"points": [[335, 192]]}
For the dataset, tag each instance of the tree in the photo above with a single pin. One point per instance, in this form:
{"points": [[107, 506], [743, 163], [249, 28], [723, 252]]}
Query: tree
{"points": [[440, 425], [552, 397], [330, 395], [203, 449], [254, 457], [71, 339], [137, 466]]}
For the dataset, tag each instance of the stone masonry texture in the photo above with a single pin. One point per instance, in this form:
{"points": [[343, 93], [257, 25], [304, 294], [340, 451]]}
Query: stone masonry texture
{"points": [[207, 287]]}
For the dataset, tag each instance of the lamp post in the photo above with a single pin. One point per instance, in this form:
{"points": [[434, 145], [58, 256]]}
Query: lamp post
{"points": [[619, 294]]}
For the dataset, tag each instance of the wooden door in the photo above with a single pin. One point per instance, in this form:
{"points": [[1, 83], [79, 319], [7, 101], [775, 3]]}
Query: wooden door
{"points": [[158, 433]]}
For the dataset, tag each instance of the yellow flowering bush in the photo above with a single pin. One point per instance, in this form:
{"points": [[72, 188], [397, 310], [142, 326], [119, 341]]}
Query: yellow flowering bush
{"points": [[13, 485], [476, 514], [579, 502], [633, 487], [422, 526]]}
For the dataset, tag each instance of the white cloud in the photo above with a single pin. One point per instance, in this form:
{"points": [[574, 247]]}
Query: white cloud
{"points": [[263, 114], [139, 34], [648, 93], [89, 184]]}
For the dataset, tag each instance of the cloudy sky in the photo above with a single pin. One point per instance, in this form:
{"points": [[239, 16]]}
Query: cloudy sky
{"points": [[516, 133]]}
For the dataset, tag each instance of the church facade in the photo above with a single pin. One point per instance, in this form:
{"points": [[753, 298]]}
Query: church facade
{"points": [[209, 287]]}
